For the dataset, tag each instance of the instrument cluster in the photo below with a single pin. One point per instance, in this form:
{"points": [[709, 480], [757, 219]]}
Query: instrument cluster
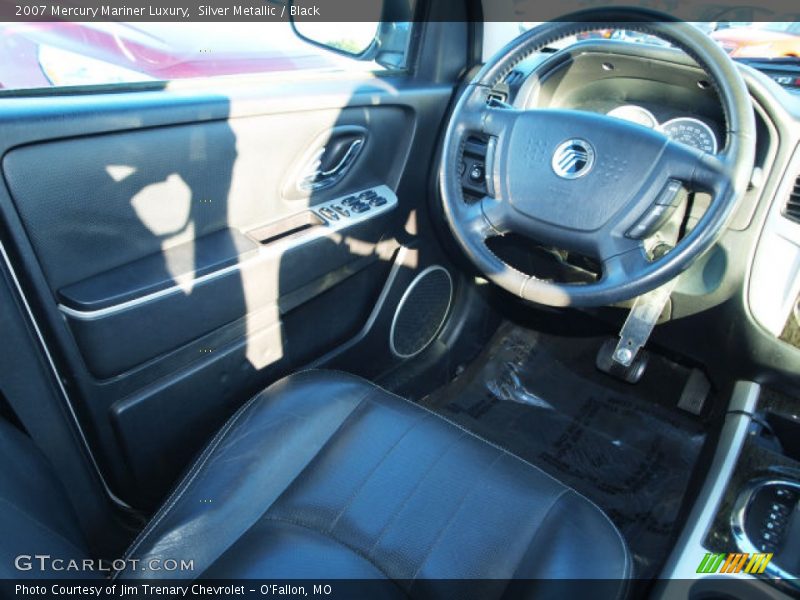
{"points": [[687, 130]]}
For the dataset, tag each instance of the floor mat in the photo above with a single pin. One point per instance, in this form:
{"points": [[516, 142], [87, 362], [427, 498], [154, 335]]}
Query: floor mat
{"points": [[540, 397]]}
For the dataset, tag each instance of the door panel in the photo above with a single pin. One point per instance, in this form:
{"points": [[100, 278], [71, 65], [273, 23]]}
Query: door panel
{"points": [[138, 193], [174, 263]]}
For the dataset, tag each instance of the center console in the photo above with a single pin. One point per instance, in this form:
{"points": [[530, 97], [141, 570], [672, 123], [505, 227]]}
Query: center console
{"points": [[760, 511], [742, 539], [766, 519]]}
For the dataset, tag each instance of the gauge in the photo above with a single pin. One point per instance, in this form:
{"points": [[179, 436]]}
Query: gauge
{"points": [[691, 132], [635, 114]]}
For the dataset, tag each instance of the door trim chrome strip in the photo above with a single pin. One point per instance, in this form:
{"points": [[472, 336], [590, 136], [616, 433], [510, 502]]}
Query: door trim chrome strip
{"points": [[270, 251]]}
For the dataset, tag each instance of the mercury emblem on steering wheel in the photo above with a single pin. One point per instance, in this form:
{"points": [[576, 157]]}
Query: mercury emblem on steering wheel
{"points": [[573, 158]]}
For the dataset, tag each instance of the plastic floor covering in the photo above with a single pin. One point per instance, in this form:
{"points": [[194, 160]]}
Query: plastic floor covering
{"points": [[623, 446]]}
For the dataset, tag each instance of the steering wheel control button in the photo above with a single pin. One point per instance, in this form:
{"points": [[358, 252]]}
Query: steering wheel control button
{"points": [[477, 173], [671, 194], [573, 158], [472, 167]]}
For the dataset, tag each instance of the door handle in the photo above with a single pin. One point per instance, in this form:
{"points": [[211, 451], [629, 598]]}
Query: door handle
{"points": [[341, 154]]}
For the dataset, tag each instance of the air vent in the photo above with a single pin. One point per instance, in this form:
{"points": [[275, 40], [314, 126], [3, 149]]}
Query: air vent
{"points": [[792, 208]]}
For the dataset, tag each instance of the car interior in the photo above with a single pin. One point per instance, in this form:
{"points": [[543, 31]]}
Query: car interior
{"points": [[525, 315]]}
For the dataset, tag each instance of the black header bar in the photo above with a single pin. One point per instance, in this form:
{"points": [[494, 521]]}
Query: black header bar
{"points": [[369, 10]]}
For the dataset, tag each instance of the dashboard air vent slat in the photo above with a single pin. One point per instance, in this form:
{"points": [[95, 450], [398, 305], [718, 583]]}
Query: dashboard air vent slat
{"points": [[792, 208]]}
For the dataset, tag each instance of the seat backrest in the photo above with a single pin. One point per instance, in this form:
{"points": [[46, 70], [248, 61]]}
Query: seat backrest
{"points": [[36, 517]]}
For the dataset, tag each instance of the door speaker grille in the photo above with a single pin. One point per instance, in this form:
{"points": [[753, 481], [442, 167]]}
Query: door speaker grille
{"points": [[421, 312]]}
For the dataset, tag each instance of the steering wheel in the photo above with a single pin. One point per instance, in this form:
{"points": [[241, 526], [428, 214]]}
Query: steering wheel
{"points": [[587, 182]]}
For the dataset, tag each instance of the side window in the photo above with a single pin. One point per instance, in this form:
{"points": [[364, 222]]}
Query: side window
{"points": [[39, 54]]}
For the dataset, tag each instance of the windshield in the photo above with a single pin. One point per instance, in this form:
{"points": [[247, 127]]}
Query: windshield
{"points": [[66, 54], [740, 39], [792, 28]]}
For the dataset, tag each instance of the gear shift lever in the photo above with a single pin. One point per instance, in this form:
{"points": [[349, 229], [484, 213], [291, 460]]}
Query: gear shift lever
{"points": [[766, 519]]}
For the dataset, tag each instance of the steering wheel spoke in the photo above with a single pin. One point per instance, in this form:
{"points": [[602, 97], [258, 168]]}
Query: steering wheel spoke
{"points": [[498, 121], [487, 218], [698, 169], [498, 215], [713, 173], [484, 218], [621, 268], [478, 116]]}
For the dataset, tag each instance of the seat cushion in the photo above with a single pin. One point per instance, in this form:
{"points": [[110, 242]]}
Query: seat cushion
{"points": [[324, 475]]}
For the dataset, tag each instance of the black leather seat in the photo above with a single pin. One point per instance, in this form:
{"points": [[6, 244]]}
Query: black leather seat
{"points": [[325, 475]]}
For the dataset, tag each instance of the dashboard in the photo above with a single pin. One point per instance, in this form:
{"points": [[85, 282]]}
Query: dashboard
{"points": [[747, 288]]}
